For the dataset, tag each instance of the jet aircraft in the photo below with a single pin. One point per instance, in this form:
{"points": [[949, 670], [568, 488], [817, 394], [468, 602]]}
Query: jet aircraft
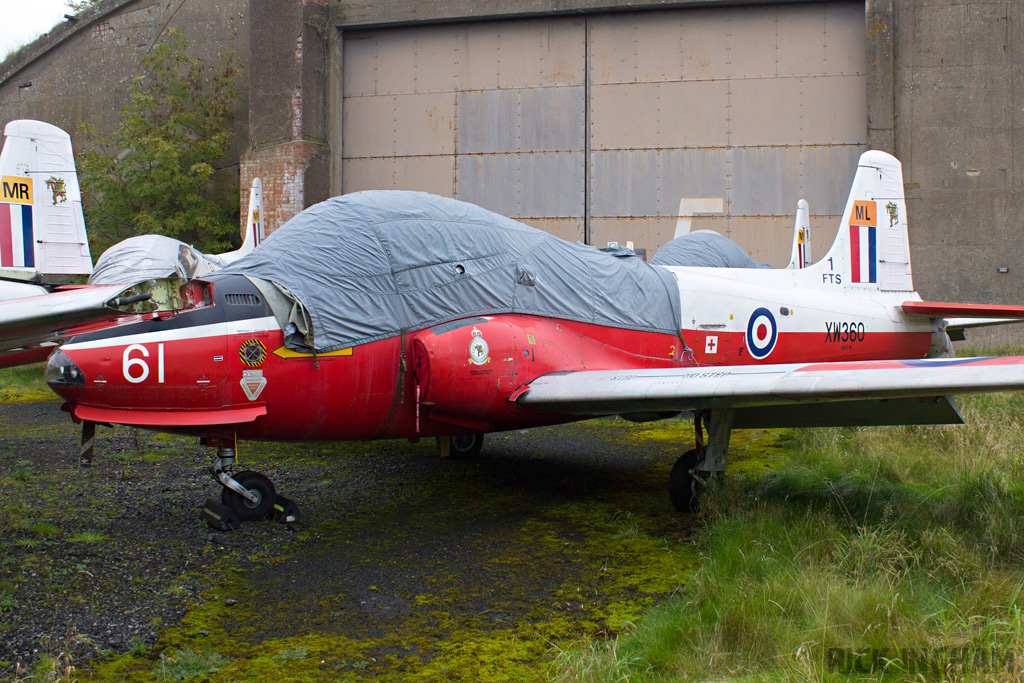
{"points": [[43, 237], [391, 314]]}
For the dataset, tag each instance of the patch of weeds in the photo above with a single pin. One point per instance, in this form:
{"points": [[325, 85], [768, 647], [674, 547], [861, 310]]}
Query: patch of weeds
{"points": [[28, 542], [22, 470], [44, 529], [187, 663], [292, 654], [7, 602], [88, 537]]}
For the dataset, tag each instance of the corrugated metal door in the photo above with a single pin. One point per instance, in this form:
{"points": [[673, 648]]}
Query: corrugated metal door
{"points": [[489, 113], [618, 127], [732, 115]]}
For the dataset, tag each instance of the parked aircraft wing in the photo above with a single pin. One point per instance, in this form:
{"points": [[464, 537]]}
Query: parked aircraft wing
{"points": [[44, 320], [866, 392]]}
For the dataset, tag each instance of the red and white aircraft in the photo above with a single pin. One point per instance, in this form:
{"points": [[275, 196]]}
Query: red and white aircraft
{"points": [[845, 341], [43, 237]]}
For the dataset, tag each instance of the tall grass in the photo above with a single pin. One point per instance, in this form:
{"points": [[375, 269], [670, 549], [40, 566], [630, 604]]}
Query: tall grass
{"points": [[870, 554]]}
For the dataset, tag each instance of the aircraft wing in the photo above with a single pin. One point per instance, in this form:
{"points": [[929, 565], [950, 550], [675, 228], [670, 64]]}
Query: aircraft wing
{"points": [[801, 394], [31, 326]]}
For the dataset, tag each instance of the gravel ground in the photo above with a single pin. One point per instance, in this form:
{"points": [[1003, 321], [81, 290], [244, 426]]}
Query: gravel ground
{"points": [[113, 559]]}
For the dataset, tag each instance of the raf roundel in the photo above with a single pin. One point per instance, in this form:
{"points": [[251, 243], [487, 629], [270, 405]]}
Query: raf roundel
{"points": [[762, 332]]}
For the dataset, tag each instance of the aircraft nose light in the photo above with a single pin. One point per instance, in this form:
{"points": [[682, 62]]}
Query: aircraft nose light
{"points": [[62, 371]]}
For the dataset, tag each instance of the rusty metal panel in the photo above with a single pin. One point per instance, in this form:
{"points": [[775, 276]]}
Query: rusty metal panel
{"points": [[770, 180], [425, 174], [400, 125], [399, 63], [643, 232], [521, 120], [567, 228], [834, 110], [359, 73], [659, 115], [515, 54], [538, 185], [750, 35], [651, 182]]}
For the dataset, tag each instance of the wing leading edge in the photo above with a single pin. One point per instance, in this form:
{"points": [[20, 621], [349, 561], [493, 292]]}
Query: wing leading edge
{"points": [[801, 394], [32, 326]]}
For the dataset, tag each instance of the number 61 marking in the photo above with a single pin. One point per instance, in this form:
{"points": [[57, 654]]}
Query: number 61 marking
{"points": [[128, 363]]}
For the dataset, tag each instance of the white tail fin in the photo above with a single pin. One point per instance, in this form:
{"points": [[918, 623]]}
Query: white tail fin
{"points": [[800, 254], [872, 250], [42, 230], [253, 226]]}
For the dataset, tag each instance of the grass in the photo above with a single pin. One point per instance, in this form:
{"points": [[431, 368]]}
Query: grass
{"points": [[866, 554], [24, 383], [186, 663]]}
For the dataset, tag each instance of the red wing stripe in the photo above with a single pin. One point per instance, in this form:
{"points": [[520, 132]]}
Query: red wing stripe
{"points": [[936, 309]]}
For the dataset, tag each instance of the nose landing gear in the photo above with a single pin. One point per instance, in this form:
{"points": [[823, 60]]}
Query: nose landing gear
{"points": [[246, 497]]}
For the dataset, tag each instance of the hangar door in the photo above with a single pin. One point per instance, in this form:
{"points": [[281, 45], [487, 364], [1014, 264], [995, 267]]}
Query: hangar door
{"points": [[619, 127]]}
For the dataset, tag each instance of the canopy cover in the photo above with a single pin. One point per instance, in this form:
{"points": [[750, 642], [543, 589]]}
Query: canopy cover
{"points": [[150, 257], [371, 265], [704, 249]]}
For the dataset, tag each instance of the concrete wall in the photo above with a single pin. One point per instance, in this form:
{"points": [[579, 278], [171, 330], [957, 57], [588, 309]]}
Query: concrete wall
{"points": [[288, 122], [80, 70], [959, 130]]}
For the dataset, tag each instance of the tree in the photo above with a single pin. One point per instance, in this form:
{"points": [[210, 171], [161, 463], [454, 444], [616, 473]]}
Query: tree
{"points": [[155, 172], [77, 6]]}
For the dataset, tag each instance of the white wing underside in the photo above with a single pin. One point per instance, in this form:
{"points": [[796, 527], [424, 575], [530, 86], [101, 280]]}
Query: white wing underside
{"points": [[802, 394]]}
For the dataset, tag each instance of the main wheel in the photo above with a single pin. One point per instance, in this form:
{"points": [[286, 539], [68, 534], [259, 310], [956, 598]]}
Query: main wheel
{"points": [[464, 446], [247, 510], [683, 488]]}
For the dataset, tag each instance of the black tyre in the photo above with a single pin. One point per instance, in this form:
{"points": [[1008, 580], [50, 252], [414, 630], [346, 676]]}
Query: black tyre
{"points": [[464, 446], [247, 510], [683, 488]]}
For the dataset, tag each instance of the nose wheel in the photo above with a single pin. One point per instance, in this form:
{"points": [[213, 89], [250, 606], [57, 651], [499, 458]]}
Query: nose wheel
{"points": [[260, 502], [246, 497]]}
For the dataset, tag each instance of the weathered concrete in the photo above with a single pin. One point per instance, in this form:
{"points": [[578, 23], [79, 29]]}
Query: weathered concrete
{"points": [[287, 108], [958, 76], [80, 70]]}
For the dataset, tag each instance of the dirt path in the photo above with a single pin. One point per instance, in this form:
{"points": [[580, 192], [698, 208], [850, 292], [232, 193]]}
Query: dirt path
{"points": [[404, 566]]}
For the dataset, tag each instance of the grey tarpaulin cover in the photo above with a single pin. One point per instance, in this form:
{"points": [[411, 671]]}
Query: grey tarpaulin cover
{"points": [[149, 257], [704, 249], [369, 265]]}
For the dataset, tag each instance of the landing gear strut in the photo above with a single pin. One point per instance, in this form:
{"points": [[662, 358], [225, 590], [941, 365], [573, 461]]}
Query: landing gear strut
{"points": [[460, 446], [697, 466], [246, 497]]}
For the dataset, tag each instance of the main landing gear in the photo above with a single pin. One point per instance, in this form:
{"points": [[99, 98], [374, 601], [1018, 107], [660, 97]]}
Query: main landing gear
{"points": [[460, 446], [246, 497], [697, 466]]}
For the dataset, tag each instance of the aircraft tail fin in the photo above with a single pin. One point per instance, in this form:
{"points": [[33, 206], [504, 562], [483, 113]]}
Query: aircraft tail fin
{"points": [[800, 254], [253, 225], [872, 249], [42, 229]]}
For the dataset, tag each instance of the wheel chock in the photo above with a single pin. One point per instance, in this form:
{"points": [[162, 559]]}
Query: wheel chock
{"points": [[219, 516], [284, 511]]}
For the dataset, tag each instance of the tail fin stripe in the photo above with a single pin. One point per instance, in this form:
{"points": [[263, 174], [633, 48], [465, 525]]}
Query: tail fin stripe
{"points": [[6, 246], [872, 255], [28, 237], [854, 253], [863, 254]]}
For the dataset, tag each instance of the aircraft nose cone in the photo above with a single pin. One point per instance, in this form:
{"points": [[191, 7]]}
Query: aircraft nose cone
{"points": [[62, 372]]}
